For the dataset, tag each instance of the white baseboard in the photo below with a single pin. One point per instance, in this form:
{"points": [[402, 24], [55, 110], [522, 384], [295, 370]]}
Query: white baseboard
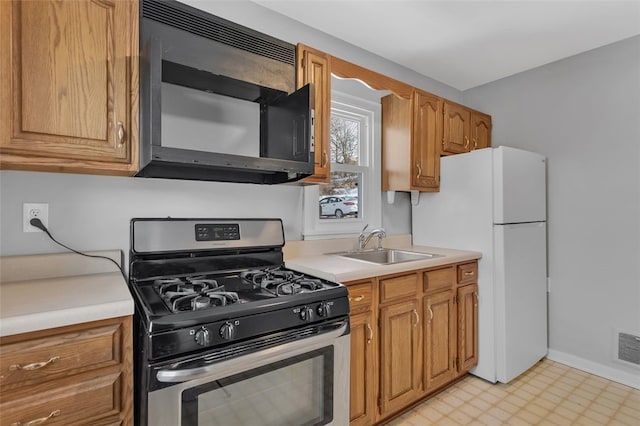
{"points": [[628, 379]]}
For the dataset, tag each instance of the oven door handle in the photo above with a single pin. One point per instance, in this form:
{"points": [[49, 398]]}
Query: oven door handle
{"points": [[266, 356]]}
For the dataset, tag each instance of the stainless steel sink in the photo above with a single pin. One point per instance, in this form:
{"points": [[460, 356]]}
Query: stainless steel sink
{"points": [[387, 256]]}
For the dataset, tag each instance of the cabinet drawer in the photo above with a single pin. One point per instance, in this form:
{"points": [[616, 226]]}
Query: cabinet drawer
{"points": [[468, 273], [76, 401], [44, 358], [439, 279], [397, 287], [360, 296]]}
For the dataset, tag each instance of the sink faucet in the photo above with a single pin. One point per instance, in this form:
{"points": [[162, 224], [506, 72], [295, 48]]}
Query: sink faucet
{"points": [[364, 239]]}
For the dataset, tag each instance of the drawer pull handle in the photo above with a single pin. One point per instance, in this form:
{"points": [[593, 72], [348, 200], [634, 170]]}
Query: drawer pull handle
{"points": [[419, 171], [324, 159], [35, 365], [39, 421], [356, 299], [415, 313], [466, 142], [475, 295], [468, 273], [430, 314], [370, 333]]}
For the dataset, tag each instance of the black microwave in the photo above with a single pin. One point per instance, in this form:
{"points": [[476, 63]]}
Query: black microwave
{"points": [[218, 100]]}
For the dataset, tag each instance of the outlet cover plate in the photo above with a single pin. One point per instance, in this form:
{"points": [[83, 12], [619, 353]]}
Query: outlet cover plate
{"points": [[31, 210]]}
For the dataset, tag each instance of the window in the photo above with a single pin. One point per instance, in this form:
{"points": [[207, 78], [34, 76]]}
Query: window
{"points": [[352, 197], [349, 134]]}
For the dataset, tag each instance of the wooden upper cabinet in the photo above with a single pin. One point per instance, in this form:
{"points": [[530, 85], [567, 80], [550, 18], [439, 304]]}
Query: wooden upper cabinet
{"points": [[313, 67], [464, 129], [456, 128], [69, 86], [411, 130], [480, 130], [427, 130]]}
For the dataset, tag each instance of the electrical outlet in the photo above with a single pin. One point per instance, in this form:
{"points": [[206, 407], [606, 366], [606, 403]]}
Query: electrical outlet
{"points": [[31, 211]]}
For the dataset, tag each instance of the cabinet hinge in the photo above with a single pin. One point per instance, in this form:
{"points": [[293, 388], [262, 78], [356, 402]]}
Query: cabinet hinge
{"points": [[457, 299]]}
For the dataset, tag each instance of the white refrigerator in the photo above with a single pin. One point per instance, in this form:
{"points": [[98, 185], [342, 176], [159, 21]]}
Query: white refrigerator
{"points": [[493, 200]]}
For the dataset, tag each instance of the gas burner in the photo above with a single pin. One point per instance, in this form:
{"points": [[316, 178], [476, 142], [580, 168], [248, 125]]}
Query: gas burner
{"points": [[193, 293], [280, 282]]}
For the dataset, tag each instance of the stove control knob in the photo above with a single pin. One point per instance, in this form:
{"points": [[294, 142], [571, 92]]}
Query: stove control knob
{"points": [[324, 310], [227, 331], [203, 337], [306, 314]]}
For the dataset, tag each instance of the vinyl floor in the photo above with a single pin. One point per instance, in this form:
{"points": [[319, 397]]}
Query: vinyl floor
{"points": [[548, 394]]}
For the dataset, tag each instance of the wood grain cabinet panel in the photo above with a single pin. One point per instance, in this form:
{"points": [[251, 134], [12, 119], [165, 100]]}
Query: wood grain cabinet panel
{"points": [[480, 130], [439, 279], [467, 327], [427, 129], [362, 407], [439, 340], [468, 273], [398, 287], [72, 402], [314, 67], [71, 82], [456, 128], [74, 375], [411, 130], [400, 355], [360, 296], [33, 361]]}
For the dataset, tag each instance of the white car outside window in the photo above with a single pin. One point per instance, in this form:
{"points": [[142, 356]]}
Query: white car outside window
{"points": [[338, 206]]}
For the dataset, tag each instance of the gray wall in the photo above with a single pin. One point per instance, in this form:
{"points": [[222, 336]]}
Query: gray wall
{"points": [[93, 212], [583, 113]]}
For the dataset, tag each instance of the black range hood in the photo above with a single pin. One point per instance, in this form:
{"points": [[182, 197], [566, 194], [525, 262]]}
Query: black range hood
{"points": [[189, 48]]}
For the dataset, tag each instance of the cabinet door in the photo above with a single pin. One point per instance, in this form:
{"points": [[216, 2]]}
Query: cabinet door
{"points": [[456, 128], [363, 373], [314, 68], [468, 326], [480, 130], [67, 83], [440, 339], [427, 130], [399, 355]]}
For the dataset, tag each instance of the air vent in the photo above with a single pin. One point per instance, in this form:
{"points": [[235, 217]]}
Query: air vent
{"points": [[197, 22], [629, 348]]}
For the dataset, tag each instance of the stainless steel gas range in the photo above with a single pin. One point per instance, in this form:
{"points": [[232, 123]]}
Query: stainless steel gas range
{"points": [[226, 335]]}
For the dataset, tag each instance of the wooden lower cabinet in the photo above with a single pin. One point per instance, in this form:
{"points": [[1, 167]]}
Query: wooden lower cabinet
{"points": [[75, 375], [362, 407], [400, 363], [364, 343], [467, 326], [440, 323], [412, 334]]}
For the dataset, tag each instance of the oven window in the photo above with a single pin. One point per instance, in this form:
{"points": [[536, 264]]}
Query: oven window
{"points": [[296, 391]]}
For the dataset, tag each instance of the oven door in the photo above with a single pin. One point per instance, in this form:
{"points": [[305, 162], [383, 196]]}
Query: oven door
{"points": [[301, 382]]}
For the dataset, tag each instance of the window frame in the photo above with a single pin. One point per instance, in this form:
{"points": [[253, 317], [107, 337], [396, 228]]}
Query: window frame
{"points": [[369, 202]]}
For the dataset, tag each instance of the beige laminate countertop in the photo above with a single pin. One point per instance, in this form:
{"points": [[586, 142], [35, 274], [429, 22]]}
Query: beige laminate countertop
{"points": [[341, 269], [39, 292]]}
